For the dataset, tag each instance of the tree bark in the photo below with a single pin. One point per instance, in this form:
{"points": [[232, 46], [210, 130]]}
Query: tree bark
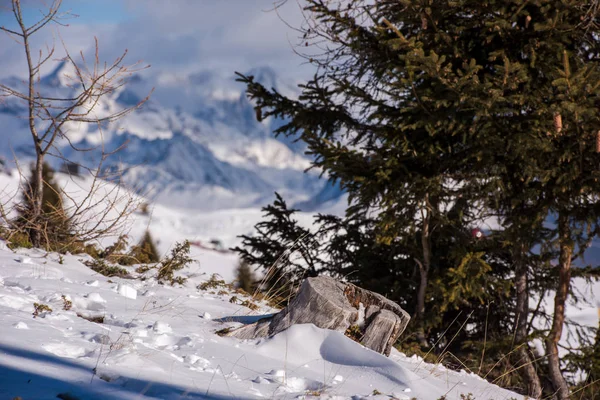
{"points": [[37, 193], [532, 380], [564, 279], [424, 273], [37, 188]]}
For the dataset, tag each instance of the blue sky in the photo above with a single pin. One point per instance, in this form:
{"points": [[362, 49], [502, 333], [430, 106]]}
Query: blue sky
{"points": [[99, 11], [89, 11], [179, 36]]}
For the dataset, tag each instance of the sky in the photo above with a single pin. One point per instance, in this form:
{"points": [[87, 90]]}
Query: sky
{"points": [[177, 36]]}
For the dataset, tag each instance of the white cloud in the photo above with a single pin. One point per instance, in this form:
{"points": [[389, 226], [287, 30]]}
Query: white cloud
{"points": [[185, 36]]}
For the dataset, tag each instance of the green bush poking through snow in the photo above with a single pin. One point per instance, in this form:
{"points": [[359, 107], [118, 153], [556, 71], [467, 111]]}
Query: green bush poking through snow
{"points": [[179, 259]]}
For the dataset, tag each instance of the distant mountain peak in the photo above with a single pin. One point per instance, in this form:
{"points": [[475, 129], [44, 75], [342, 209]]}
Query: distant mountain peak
{"points": [[62, 75], [196, 143]]}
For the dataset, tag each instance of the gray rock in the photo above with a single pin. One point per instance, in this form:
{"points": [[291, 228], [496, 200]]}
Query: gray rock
{"points": [[383, 331], [330, 304], [370, 312]]}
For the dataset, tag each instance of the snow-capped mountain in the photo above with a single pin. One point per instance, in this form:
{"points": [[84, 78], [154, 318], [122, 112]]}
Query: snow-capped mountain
{"points": [[195, 144]]}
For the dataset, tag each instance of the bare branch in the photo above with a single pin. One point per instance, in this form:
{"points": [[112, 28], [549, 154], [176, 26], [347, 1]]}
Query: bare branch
{"points": [[47, 118]]}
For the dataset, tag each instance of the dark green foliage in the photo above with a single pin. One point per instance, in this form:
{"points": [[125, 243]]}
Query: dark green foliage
{"points": [[418, 105], [588, 362], [468, 276], [286, 252], [351, 249], [594, 359], [107, 268]]}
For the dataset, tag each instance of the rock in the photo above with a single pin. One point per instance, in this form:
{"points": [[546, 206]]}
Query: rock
{"points": [[370, 312], [382, 332], [330, 304], [321, 301], [252, 331]]}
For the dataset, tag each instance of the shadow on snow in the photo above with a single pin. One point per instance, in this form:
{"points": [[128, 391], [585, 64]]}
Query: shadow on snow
{"points": [[33, 385]]}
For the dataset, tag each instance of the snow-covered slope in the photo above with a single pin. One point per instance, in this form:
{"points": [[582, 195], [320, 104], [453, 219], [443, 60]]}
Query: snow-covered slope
{"points": [[195, 144], [158, 342], [135, 355]]}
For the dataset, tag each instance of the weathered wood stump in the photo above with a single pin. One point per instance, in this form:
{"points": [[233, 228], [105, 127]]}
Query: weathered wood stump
{"points": [[329, 304]]}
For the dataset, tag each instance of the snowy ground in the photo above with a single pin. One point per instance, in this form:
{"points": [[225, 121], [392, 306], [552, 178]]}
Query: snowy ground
{"points": [[158, 342]]}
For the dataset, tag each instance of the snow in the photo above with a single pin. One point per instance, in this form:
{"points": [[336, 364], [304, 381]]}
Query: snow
{"points": [[161, 344], [195, 145], [583, 316], [127, 291]]}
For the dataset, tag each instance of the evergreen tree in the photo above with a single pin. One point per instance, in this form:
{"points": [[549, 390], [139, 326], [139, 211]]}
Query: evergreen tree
{"points": [[415, 104], [286, 252]]}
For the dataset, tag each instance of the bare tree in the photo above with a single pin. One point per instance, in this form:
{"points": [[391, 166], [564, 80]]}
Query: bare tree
{"points": [[48, 117]]}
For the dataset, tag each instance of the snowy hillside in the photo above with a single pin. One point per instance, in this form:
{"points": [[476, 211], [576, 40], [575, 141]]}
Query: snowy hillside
{"points": [[117, 338], [158, 342], [136, 355], [195, 144], [168, 224]]}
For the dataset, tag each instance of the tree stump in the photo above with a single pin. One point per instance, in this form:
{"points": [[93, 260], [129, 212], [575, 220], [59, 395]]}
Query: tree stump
{"points": [[329, 304]]}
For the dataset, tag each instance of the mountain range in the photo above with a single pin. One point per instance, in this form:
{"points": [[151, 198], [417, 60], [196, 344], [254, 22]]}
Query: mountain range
{"points": [[195, 144]]}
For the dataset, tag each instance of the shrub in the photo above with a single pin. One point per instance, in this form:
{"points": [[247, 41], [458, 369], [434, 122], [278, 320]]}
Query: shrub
{"points": [[18, 240], [224, 331], [145, 252], [92, 250], [116, 252], [103, 267], [249, 304], [286, 252], [67, 304], [355, 333], [39, 308], [53, 225], [245, 277], [213, 283], [179, 259]]}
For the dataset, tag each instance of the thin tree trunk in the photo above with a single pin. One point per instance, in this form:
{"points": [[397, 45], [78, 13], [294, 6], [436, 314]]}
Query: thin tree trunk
{"points": [[424, 274], [37, 194], [35, 233], [564, 279], [532, 380]]}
